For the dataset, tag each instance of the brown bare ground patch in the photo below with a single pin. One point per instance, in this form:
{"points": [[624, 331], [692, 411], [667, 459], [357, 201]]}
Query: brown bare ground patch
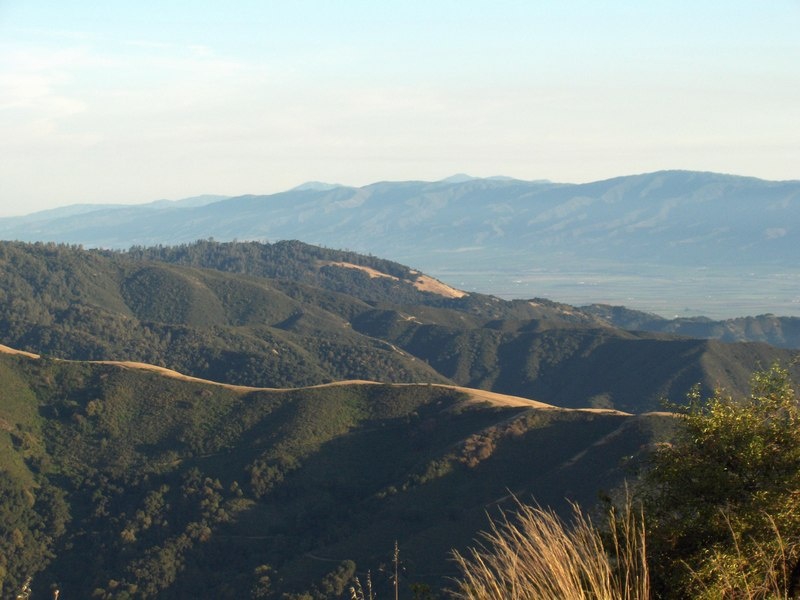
{"points": [[347, 382], [7, 350], [429, 284], [174, 374], [474, 396], [660, 413], [423, 283], [478, 396], [604, 411]]}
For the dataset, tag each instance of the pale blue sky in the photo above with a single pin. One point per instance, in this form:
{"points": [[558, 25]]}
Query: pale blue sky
{"points": [[133, 101]]}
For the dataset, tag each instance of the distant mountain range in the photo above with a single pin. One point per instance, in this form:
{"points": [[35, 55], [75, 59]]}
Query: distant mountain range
{"points": [[719, 244], [783, 332]]}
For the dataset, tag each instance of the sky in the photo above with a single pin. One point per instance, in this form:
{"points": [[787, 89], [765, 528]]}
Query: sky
{"points": [[130, 102]]}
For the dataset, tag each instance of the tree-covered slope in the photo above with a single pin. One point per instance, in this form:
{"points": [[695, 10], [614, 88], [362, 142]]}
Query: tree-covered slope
{"points": [[573, 366], [538, 348], [72, 303], [290, 314], [175, 487], [126, 482], [783, 332]]}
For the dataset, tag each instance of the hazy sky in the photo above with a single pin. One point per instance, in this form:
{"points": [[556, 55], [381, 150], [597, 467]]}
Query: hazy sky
{"points": [[132, 101]]}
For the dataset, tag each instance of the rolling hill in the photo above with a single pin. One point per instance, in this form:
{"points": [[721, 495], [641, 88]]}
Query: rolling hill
{"points": [[173, 487], [266, 420], [290, 314]]}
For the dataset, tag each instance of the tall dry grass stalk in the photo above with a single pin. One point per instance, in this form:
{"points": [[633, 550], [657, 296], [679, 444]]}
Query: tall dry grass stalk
{"points": [[357, 592], [753, 570], [535, 555]]}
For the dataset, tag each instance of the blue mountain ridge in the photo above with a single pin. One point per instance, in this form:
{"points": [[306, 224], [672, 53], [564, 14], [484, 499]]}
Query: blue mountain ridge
{"points": [[618, 239]]}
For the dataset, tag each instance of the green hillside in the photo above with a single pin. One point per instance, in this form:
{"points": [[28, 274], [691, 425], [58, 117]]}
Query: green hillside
{"points": [[290, 314], [296, 472], [783, 332], [573, 366], [171, 488], [70, 303]]}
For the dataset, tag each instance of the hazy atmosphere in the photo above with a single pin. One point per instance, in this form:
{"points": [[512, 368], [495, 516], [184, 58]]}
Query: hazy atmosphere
{"points": [[125, 102], [426, 301]]}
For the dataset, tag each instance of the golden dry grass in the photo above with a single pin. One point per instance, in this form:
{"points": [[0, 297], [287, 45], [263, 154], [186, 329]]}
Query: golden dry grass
{"points": [[7, 350], [535, 555], [473, 395], [423, 283]]}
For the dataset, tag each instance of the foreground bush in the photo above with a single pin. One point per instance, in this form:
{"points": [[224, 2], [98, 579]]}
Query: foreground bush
{"points": [[535, 555], [722, 502]]}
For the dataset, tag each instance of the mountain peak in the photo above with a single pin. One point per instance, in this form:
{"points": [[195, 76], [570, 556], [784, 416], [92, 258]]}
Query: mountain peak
{"points": [[316, 186], [459, 178]]}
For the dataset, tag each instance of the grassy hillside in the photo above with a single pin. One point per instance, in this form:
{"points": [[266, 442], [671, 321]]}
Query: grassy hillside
{"points": [[172, 488]]}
